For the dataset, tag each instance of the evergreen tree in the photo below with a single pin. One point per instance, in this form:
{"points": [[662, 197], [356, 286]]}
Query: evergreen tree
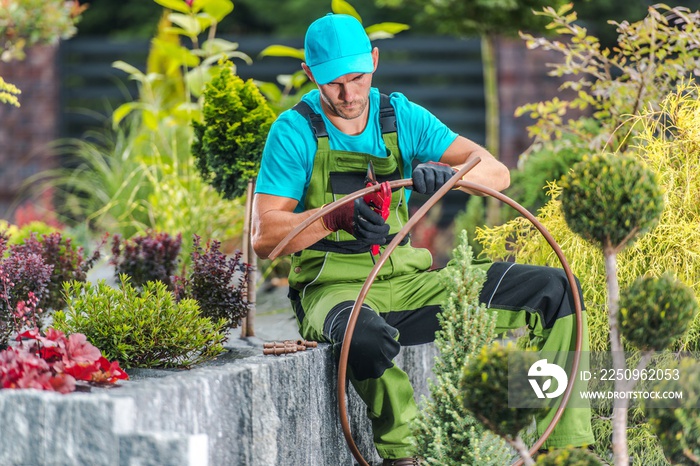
{"points": [[445, 433]]}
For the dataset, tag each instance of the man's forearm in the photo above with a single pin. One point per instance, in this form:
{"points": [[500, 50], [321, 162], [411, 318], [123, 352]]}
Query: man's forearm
{"points": [[270, 228]]}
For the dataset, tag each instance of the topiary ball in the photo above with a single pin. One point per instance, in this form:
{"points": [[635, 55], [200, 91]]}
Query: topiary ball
{"points": [[676, 423], [610, 199], [656, 311], [485, 383]]}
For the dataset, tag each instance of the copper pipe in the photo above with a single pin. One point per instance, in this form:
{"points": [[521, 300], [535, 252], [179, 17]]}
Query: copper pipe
{"points": [[280, 350], [308, 343], [287, 346], [456, 180]]}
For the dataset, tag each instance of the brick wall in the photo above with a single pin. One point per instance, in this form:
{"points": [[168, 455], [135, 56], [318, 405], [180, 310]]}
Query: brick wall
{"points": [[25, 132]]}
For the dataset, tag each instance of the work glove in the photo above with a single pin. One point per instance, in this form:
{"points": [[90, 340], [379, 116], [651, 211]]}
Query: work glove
{"points": [[429, 177], [360, 220]]}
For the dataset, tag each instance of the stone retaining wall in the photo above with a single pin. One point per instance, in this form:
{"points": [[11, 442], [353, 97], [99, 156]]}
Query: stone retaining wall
{"points": [[257, 411]]}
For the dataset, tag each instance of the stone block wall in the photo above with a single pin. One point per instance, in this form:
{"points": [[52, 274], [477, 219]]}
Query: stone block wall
{"points": [[254, 411]]}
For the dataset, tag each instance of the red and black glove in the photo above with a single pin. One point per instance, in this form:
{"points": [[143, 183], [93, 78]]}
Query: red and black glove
{"points": [[429, 177], [360, 220]]}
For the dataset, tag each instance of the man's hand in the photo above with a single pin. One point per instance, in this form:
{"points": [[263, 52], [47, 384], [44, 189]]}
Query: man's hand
{"points": [[360, 220], [429, 177]]}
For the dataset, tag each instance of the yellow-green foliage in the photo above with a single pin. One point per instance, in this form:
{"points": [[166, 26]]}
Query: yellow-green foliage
{"points": [[669, 143], [8, 229], [8, 93], [568, 457]]}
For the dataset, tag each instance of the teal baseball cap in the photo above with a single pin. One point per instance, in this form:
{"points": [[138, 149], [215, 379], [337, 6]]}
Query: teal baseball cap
{"points": [[336, 45]]}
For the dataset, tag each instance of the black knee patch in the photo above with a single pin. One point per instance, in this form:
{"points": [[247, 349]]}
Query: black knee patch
{"points": [[373, 345], [544, 290]]}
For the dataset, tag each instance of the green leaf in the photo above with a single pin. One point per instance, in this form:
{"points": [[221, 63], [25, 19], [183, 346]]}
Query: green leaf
{"points": [[270, 90], [224, 55], [122, 111], [344, 8], [150, 120], [282, 51], [389, 28], [196, 79], [129, 69], [190, 25], [218, 9], [181, 55], [217, 45], [175, 5]]}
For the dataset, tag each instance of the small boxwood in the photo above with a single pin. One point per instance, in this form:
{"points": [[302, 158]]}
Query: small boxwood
{"points": [[145, 328]]}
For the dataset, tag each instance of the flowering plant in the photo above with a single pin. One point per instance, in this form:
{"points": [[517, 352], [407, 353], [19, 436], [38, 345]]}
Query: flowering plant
{"points": [[30, 22], [54, 362]]}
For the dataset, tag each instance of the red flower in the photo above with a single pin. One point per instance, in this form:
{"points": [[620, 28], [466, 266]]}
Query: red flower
{"points": [[81, 371], [54, 362], [108, 372], [81, 351], [62, 383], [31, 334]]}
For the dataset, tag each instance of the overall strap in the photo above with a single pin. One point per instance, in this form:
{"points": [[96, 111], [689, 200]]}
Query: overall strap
{"points": [[387, 117], [314, 119]]}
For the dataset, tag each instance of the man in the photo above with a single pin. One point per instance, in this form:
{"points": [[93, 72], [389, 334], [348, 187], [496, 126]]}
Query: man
{"points": [[318, 152]]}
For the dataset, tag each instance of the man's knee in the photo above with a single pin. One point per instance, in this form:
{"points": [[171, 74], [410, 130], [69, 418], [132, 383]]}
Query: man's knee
{"points": [[544, 290], [373, 346], [557, 296]]}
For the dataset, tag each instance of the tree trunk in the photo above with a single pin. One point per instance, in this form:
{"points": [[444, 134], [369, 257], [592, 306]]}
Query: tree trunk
{"points": [[619, 422], [249, 257], [491, 101]]}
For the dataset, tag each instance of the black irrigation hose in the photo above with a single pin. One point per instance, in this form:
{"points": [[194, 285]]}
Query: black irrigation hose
{"points": [[455, 181]]}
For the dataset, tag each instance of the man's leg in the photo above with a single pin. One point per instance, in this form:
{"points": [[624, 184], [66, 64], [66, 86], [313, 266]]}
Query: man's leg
{"points": [[544, 293], [382, 385]]}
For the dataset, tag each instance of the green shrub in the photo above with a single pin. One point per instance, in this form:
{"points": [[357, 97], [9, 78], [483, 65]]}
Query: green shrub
{"points": [[229, 141], [678, 427], [37, 228], [656, 312], [651, 57], [146, 329], [139, 174], [544, 162], [610, 199], [446, 433], [568, 457], [486, 380]]}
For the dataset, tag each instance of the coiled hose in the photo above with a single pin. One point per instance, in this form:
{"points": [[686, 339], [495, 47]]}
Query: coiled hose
{"points": [[455, 181]]}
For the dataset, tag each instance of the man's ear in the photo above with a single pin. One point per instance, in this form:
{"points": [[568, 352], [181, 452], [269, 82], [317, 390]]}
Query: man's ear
{"points": [[308, 72], [375, 57]]}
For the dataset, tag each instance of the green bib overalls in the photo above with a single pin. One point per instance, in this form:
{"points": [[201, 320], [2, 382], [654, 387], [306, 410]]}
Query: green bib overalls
{"points": [[402, 305]]}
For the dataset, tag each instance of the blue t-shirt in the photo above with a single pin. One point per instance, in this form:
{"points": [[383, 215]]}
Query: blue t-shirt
{"points": [[288, 156]]}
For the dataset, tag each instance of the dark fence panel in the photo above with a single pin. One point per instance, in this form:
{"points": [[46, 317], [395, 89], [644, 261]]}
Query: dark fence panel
{"points": [[442, 74]]}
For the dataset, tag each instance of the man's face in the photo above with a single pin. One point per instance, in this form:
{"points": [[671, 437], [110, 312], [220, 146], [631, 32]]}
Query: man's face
{"points": [[348, 95]]}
